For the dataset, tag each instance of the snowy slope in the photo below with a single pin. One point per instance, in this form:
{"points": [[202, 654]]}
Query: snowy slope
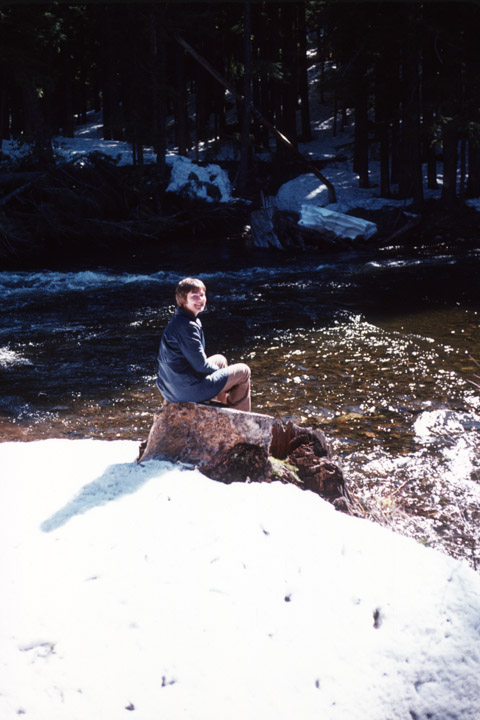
{"points": [[157, 591]]}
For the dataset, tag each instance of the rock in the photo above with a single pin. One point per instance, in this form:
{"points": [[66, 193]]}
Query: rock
{"points": [[317, 473], [202, 435], [231, 446]]}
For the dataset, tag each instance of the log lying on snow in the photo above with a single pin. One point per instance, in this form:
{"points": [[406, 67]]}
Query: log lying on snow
{"points": [[232, 446], [341, 225], [316, 227]]}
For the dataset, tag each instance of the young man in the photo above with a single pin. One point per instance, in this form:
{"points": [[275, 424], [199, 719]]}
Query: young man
{"points": [[185, 373]]}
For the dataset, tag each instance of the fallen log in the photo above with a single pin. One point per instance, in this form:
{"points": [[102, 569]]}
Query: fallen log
{"points": [[401, 232], [233, 446], [340, 224], [291, 234]]}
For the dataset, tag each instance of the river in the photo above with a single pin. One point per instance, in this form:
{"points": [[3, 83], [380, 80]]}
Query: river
{"points": [[378, 348]]}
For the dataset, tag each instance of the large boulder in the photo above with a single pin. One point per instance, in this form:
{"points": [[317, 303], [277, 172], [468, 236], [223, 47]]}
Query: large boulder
{"points": [[230, 445]]}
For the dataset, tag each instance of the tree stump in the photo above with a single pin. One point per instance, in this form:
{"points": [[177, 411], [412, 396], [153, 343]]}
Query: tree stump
{"points": [[232, 446], [263, 230]]}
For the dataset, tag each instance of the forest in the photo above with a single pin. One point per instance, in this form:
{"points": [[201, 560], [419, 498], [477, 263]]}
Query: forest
{"points": [[171, 75]]}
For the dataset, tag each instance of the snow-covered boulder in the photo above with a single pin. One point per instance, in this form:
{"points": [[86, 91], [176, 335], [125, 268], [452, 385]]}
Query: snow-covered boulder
{"points": [[210, 183]]}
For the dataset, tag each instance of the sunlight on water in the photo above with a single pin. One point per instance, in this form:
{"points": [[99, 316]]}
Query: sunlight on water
{"points": [[11, 358], [358, 373], [400, 412]]}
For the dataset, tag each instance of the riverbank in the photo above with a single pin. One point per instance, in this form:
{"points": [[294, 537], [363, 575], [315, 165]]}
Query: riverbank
{"points": [[87, 218], [82, 214]]}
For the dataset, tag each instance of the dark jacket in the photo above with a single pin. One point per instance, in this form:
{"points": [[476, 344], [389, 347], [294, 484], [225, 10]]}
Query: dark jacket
{"points": [[184, 372]]}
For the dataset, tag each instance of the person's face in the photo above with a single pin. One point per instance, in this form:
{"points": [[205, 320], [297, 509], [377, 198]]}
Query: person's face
{"points": [[196, 301]]}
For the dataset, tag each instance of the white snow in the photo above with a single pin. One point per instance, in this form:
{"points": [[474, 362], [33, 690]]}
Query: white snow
{"points": [[341, 225], [458, 434], [210, 183], [154, 590]]}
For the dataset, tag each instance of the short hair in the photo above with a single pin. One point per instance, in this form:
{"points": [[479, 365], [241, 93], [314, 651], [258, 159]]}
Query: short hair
{"points": [[185, 286]]}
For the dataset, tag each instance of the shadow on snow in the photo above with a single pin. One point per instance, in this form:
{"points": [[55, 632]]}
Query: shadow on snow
{"points": [[117, 481]]}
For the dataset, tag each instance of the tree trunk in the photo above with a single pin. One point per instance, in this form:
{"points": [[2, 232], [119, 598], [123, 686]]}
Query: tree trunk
{"points": [[472, 93], [303, 86], [67, 105], [450, 162], [275, 83], [411, 167], [382, 77], [182, 137], [112, 125], [360, 152], [395, 154], [135, 96], [245, 144], [335, 111], [262, 83], [289, 96], [473, 185], [4, 130], [428, 112], [35, 127], [161, 100], [450, 111], [463, 167], [203, 87]]}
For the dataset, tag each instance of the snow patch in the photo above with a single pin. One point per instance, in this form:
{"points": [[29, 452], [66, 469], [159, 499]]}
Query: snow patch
{"points": [[210, 183]]}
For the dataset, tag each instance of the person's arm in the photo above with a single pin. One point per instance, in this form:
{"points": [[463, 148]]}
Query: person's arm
{"points": [[191, 344]]}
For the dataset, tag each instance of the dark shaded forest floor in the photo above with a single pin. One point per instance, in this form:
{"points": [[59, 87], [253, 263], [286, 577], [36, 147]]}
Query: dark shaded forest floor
{"points": [[80, 214]]}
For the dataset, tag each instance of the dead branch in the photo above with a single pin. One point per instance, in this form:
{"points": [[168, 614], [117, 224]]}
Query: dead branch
{"points": [[20, 190]]}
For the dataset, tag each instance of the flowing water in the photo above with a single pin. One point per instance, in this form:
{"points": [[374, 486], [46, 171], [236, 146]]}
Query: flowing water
{"points": [[377, 348]]}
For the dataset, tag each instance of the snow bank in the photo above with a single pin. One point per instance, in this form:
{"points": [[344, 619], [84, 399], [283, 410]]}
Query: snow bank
{"points": [[212, 184], [299, 191], [307, 189], [156, 590], [307, 196], [209, 182]]}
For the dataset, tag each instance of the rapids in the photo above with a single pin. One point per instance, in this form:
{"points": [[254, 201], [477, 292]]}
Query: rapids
{"points": [[378, 348]]}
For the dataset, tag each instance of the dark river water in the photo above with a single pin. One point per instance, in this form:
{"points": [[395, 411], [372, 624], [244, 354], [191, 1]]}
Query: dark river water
{"points": [[380, 349]]}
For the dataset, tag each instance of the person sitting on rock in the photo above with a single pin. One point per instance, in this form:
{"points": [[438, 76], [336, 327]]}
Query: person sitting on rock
{"points": [[185, 373]]}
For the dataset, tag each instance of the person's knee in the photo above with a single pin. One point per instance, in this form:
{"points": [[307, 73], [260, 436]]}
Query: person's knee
{"points": [[247, 370], [219, 360], [243, 371]]}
